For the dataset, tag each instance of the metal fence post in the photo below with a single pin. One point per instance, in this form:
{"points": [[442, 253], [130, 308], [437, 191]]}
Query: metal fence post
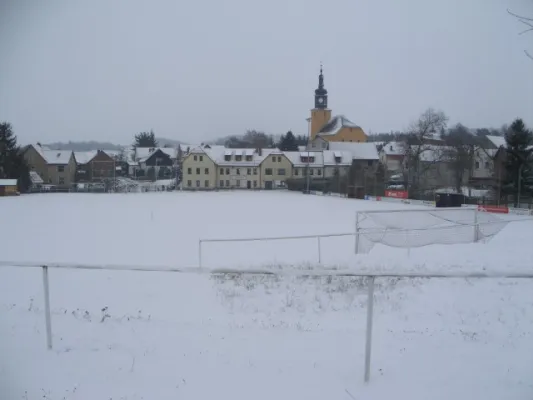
{"points": [[369, 321], [319, 251], [47, 316], [200, 252], [356, 232], [476, 225]]}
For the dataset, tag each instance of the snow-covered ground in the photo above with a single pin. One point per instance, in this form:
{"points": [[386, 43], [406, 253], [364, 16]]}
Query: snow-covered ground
{"points": [[157, 335]]}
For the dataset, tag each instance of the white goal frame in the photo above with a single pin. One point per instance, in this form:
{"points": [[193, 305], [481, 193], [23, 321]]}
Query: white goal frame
{"points": [[475, 221]]}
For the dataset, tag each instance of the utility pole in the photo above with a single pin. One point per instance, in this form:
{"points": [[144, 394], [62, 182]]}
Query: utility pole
{"points": [[308, 139]]}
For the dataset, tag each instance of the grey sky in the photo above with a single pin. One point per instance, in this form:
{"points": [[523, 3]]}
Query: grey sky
{"points": [[104, 70]]}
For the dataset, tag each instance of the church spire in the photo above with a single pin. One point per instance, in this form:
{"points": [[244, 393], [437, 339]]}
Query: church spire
{"points": [[321, 94]]}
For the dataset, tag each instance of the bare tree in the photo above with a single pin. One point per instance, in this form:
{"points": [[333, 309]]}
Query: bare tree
{"points": [[419, 153], [459, 153], [526, 21]]}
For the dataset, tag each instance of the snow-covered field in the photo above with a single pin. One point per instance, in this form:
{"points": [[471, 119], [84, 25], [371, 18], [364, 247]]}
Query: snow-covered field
{"points": [[156, 335]]}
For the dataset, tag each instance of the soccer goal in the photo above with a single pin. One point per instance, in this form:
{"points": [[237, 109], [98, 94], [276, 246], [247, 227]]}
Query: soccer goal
{"points": [[423, 227]]}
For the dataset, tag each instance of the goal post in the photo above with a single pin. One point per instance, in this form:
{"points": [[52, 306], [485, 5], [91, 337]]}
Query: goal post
{"points": [[410, 228]]}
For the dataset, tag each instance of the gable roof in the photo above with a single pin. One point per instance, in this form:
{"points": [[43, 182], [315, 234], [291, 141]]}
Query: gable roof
{"points": [[295, 157], [497, 141], [335, 125], [83, 157], [359, 151], [393, 149], [59, 157], [143, 153], [156, 151]]}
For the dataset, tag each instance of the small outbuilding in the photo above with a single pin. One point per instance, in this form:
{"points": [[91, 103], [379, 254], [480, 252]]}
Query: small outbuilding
{"points": [[8, 187]]}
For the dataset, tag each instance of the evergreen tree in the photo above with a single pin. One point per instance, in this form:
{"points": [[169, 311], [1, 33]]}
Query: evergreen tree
{"points": [[519, 167], [288, 142], [145, 139], [12, 163]]}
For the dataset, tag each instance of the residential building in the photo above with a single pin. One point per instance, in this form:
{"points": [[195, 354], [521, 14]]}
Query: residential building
{"points": [[331, 129], [55, 167], [95, 165], [306, 163], [199, 170], [276, 168], [391, 156]]}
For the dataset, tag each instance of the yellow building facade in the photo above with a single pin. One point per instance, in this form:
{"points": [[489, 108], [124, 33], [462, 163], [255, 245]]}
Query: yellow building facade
{"points": [[331, 129]]}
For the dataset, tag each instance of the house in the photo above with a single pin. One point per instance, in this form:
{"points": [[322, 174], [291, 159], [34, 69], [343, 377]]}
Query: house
{"points": [[391, 156], [237, 168], [160, 162], [306, 162], [276, 168], [364, 155], [55, 167], [8, 187], [336, 163], [95, 165], [199, 170]]}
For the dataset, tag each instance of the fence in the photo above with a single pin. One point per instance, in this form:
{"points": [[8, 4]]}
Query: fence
{"points": [[257, 239], [345, 273]]}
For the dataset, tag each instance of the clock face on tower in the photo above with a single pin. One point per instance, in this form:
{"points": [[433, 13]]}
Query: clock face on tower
{"points": [[321, 100]]}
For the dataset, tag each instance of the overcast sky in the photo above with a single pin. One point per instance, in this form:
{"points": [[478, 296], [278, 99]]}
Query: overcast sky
{"points": [[197, 70]]}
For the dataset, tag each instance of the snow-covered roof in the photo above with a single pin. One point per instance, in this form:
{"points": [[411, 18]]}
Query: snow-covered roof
{"points": [[54, 156], [296, 157], [83, 157], [35, 178], [142, 153], [337, 157], [336, 124], [8, 182], [359, 151], [219, 154], [497, 141], [393, 149]]}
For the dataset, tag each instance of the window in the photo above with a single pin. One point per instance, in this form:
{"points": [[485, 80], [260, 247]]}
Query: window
{"points": [[227, 183], [319, 172], [206, 171], [486, 165], [197, 183], [60, 168], [324, 145], [249, 171], [255, 171], [281, 171], [221, 184], [227, 157], [197, 171], [61, 180], [279, 158], [238, 171], [221, 171], [201, 158], [248, 158], [268, 171], [477, 164], [206, 183], [189, 171], [238, 158], [195, 158], [369, 163], [238, 183], [255, 184], [189, 183], [227, 171], [296, 171], [273, 158], [311, 171]]}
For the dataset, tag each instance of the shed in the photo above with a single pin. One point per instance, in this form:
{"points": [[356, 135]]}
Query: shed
{"points": [[8, 187]]}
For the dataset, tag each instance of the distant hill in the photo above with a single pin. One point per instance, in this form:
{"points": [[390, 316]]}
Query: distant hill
{"points": [[94, 145]]}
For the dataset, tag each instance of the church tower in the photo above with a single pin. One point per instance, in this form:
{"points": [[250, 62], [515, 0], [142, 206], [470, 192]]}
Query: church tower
{"points": [[321, 114]]}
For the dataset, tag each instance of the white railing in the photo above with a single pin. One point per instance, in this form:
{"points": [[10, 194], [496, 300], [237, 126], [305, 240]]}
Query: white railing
{"points": [[304, 273], [270, 238]]}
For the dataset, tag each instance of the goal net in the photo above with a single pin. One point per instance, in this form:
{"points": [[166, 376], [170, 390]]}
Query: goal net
{"points": [[423, 227]]}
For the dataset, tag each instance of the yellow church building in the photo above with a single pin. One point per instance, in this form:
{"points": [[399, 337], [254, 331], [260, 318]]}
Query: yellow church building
{"points": [[323, 128]]}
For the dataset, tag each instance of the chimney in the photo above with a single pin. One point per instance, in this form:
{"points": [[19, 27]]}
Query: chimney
{"points": [[259, 151]]}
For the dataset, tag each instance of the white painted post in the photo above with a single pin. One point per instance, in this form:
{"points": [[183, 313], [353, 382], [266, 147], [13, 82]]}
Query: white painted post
{"points": [[369, 320], [356, 232], [47, 316], [476, 225], [319, 251], [200, 252]]}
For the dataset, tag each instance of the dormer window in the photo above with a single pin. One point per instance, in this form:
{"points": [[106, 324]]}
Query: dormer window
{"points": [[249, 158], [238, 157], [227, 157]]}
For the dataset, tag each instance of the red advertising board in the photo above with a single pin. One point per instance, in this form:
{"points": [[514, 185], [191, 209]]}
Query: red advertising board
{"points": [[494, 209], [398, 194]]}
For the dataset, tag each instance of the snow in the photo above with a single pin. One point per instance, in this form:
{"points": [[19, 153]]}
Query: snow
{"points": [[83, 157], [57, 157], [8, 182], [335, 124], [497, 141], [192, 336]]}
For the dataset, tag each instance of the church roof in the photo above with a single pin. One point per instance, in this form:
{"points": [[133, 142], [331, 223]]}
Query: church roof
{"points": [[335, 125]]}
